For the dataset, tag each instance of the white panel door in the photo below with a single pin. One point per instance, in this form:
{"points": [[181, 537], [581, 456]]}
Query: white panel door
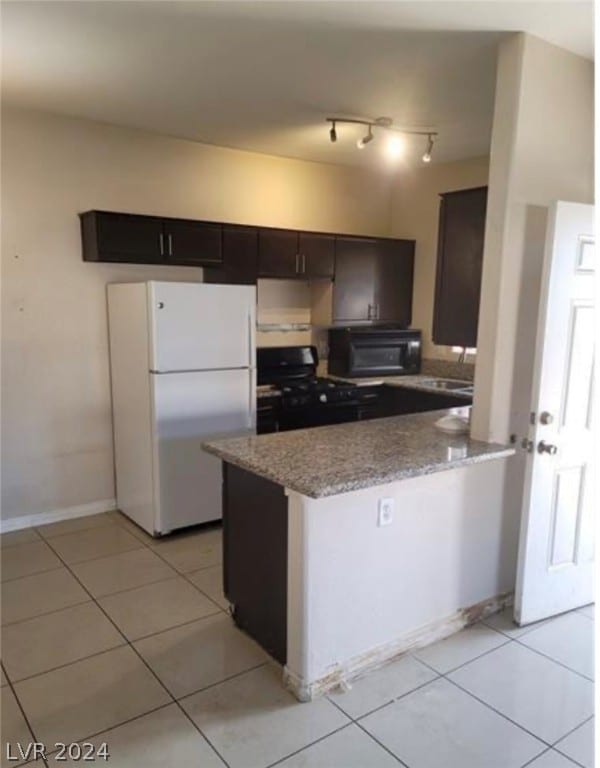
{"points": [[556, 551], [190, 408], [196, 326]]}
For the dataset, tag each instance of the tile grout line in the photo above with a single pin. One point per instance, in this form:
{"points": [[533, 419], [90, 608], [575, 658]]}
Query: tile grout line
{"points": [[46, 613], [370, 735], [118, 725], [560, 663], [297, 751], [587, 720], [184, 575], [568, 757], [68, 663], [141, 658], [35, 573], [144, 545], [9, 683], [489, 706], [536, 757], [155, 550], [387, 703], [464, 664]]}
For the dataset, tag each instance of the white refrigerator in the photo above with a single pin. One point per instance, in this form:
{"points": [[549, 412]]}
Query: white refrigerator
{"points": [[182, 371]]}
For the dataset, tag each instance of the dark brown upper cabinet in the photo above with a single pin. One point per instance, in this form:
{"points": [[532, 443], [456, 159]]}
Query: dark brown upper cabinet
{"points": [[285, 253], [240, 257], [193, 243], [134, 239], [459, 266], [373, 281], [354, 286], [317, 254], [394, 281], [122, 237], [278, 253]]}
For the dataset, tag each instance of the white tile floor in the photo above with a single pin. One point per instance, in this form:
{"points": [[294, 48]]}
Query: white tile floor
{"points": [[110, 636]]}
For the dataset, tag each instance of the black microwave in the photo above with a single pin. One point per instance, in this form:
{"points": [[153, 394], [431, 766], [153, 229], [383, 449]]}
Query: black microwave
{"points": [[356, 352]]}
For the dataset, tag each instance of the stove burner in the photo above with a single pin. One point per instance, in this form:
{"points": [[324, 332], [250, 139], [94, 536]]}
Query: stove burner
{"points": [[316, 391], [293, 370]]}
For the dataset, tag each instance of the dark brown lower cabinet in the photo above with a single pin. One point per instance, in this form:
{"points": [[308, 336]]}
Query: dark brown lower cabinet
{"points": [[255, 535], [459, 267]]}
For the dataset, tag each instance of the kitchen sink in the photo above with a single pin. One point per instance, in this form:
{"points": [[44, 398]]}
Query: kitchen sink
{"points": [[450, 385]]}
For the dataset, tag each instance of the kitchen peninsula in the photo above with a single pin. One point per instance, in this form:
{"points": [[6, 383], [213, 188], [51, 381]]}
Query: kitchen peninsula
{"points": [[345, 545]]}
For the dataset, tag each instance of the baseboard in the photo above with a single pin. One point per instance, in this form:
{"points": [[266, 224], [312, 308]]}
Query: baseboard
{"points": [[56, 515], [305, 690]]}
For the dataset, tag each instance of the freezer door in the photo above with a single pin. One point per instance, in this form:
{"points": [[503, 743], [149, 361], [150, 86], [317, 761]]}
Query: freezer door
{"points": [[196, 326], [188, 409]]}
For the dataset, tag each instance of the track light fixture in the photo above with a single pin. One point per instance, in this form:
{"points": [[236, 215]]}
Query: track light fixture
{"points": [[427, 156], [362, 143], [385, 123]]}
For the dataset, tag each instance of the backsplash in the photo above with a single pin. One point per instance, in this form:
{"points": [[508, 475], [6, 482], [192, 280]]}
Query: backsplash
{"points": [[448, 369]]}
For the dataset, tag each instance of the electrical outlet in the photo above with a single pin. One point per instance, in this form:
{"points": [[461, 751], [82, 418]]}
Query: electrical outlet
{"points": [[385, 512]]}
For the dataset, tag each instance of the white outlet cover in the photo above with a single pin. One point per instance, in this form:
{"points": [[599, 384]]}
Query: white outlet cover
{"points": [[385, 511]]}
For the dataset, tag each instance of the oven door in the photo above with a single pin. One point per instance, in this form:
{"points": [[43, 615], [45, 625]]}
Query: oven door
{"points": [[375, 355]]}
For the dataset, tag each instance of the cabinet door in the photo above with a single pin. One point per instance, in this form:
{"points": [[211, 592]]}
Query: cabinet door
{"points": [[394, 281], [121, 237], [240, 257], [278, 253], [317, 254], [459, 265], [354, 285], [192, 243]]}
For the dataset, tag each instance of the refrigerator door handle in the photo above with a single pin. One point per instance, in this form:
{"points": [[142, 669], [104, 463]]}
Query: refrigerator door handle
{"points": [[250, 360], [251, 404]]}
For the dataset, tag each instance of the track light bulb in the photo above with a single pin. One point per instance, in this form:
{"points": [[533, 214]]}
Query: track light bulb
{"points": [[333, 133], [362, 143], [427, 156]]}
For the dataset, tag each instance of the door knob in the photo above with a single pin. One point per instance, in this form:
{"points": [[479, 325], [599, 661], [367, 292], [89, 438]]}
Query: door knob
{"points": [[546, 418], [547, 448]]}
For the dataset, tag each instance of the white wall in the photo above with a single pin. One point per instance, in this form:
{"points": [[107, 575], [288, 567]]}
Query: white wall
{"points": [[414, 214], [56, 417], [358, 593]]}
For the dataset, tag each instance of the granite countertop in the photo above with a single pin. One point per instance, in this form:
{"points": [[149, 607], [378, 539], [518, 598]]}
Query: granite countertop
{"points": [[325, 461], [420, 381]]}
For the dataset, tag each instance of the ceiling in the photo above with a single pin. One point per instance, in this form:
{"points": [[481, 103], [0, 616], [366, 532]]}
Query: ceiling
{"points": [[263, 76]]}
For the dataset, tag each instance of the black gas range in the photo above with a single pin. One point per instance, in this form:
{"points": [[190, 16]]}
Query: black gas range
{"points": [[292, 396]]}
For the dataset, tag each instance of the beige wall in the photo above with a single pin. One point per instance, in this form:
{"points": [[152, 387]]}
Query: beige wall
{"points": [[414, 214], [542, 151], [56, 419]]}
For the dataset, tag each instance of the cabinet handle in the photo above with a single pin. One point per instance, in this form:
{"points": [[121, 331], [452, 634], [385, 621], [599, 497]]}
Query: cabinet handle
{"points": [[303, 263], [297, 270], [170, 241], [161, 243], [376, 311], [369, 317]]}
